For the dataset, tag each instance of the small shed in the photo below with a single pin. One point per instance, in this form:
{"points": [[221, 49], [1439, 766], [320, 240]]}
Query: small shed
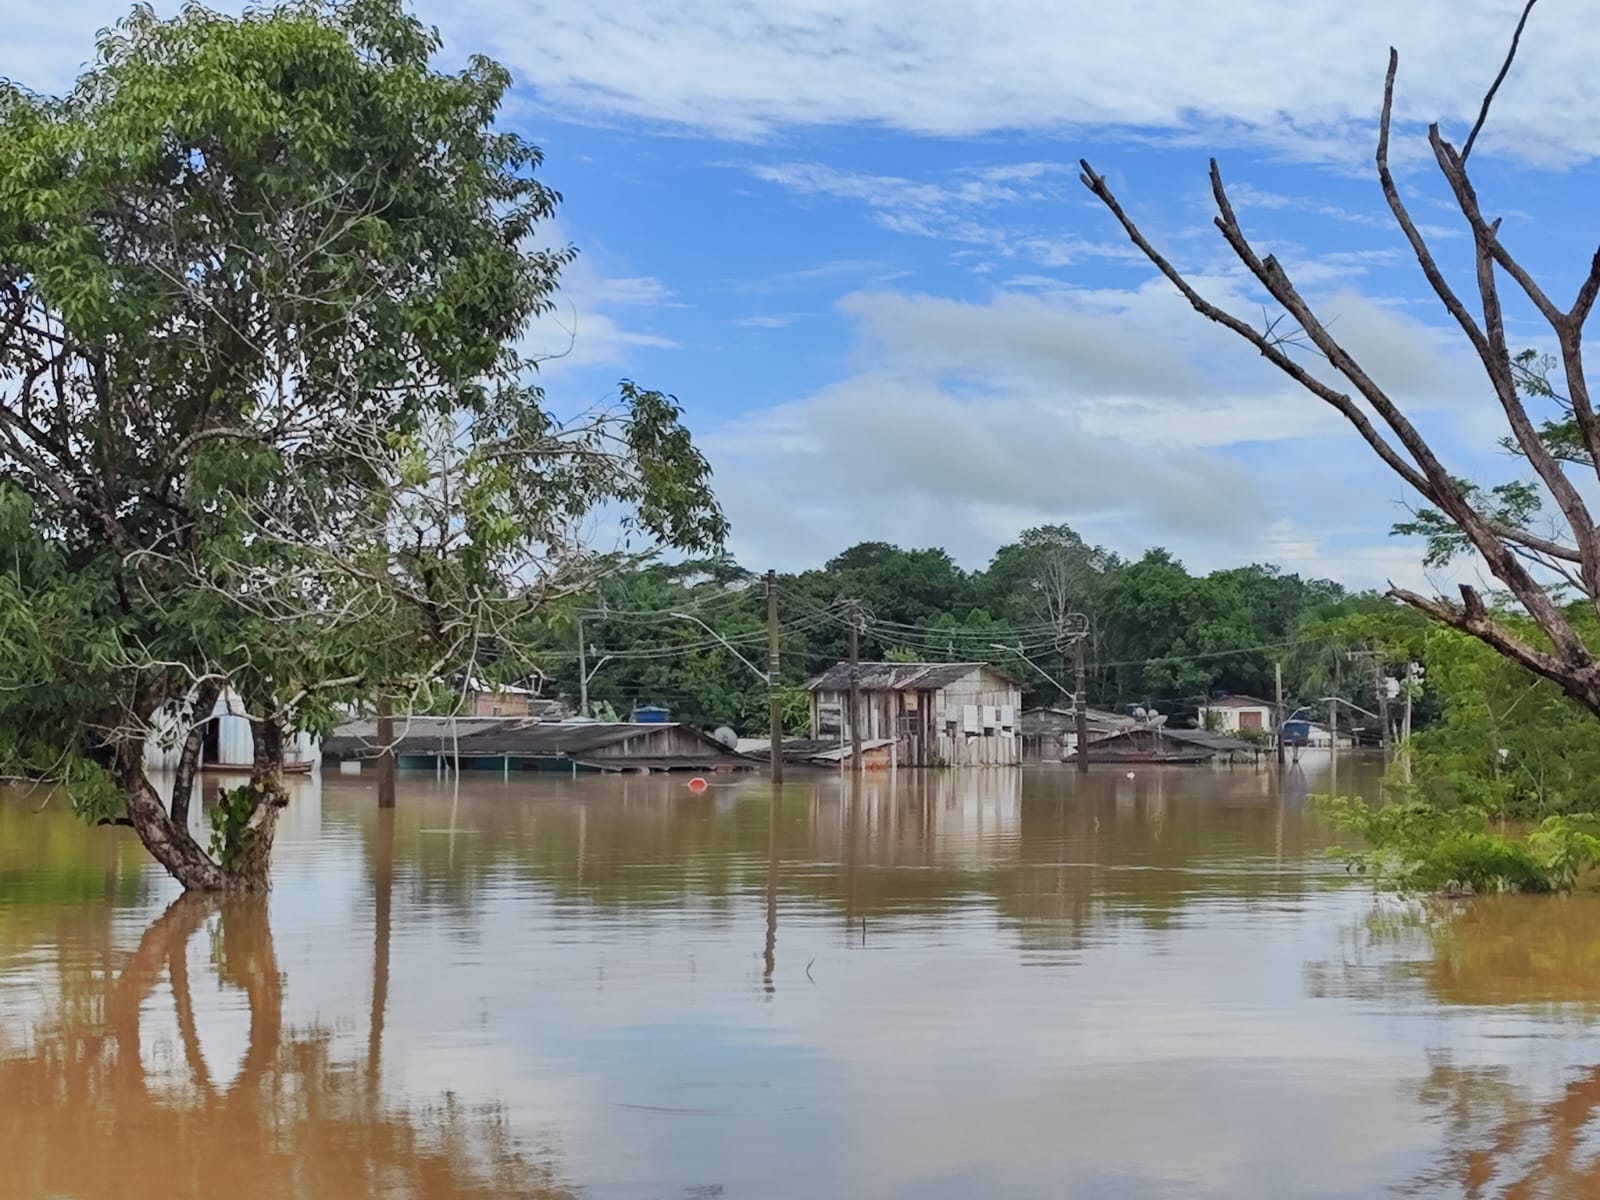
{"points": [[937, 714]]}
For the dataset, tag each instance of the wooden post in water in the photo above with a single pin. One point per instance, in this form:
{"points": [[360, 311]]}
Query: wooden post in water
{"points": [[774, 701], [385, 753], [855, 687], [1333, 744], [1080, 703], [1277, 676]]}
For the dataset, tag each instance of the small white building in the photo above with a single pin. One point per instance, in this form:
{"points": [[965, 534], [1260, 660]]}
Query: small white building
{"points": [[229, 741], [1236, 714]]}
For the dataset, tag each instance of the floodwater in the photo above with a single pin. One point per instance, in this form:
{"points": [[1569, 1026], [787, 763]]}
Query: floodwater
{"points": [[977, 984]]}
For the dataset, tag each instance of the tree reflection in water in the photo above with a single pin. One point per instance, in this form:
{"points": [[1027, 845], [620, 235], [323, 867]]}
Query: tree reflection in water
{"points": [[81, 1115], [1536, 956]]}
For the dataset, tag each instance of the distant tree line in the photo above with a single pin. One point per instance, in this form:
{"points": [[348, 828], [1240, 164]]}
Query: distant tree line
{"points": [[672, 634]]}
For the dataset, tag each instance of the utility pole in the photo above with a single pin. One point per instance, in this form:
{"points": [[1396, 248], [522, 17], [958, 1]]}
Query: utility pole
{"points": [[583, 675], [1080, 704], [1277, 678], [855, 686], [385, 753], [1383, 700], [774, 701]]}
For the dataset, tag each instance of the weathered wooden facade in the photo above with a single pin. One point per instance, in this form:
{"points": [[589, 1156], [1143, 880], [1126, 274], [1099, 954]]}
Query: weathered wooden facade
{"points": [[937, 714]]}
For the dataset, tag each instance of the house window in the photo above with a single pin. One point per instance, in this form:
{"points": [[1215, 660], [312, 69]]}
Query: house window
{"points": [[1249, 718], [495, 711]]}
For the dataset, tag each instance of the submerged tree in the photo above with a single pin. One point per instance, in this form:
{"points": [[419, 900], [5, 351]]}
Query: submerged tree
{"points": [[1499, 524], [265, 433]]}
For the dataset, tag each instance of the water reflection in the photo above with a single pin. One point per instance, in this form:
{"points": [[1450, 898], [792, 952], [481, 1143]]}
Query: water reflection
{"points": [[91, 1108], [1527, 1126], [941, 985]]}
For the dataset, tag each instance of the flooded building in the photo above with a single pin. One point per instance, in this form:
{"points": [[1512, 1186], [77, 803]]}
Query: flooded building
{"points": [[1160, 744], [1236, 714], [229, 745], [932, 714], [509, 700], [1051, 734], [479, 744]]}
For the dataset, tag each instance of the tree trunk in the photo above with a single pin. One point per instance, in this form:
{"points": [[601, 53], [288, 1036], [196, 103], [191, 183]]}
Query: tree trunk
{"points": [[252, 856], [169, 843], [168, 840]]}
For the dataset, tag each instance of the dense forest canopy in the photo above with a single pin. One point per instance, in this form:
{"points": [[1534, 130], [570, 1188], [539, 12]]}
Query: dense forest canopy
{"points": [[1157, 635]]}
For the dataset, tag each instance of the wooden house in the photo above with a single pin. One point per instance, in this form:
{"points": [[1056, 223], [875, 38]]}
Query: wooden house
{"points": [[937, 714]]}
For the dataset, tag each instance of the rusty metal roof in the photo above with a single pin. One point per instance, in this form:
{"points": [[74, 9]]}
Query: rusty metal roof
{"points": [[494, 736], [898, 677]]}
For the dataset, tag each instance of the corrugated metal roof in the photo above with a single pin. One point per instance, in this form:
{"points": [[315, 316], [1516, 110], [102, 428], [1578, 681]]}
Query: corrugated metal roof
{"points": [[493, 736], [1217, 743], [1235, 702], [898, 677], [415, 735]]}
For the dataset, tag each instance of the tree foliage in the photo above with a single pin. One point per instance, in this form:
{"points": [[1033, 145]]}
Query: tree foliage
{"points": [[264, 427]]}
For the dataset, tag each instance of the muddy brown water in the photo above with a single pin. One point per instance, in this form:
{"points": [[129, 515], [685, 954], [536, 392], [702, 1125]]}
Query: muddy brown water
{"points": [[985, 983]]}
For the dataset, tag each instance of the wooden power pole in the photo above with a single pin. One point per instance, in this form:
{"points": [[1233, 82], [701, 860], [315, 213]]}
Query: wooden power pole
{"points": [[1383, 700], [855, 687], [1277, 677], [1080, 704], [385, 753], [583, 675], [774, 701]]}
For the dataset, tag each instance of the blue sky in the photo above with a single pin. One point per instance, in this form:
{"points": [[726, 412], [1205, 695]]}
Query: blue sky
{"points": [[849, 236]]}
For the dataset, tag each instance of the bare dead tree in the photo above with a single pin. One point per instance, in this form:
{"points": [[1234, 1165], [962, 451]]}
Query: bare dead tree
{"points": [[1515, 553]]}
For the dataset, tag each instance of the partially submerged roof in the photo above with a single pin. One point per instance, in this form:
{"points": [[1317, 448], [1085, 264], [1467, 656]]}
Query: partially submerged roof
{"points": [[497, 736], [899, 677], [413, 735], [1097, 718], [1217, 743]]}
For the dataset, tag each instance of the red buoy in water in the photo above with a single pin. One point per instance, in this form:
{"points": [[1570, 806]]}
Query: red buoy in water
{"points": [[697, 784]]}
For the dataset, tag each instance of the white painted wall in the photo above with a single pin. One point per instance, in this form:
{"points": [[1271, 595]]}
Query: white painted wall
{"points": [[235, 740], [1226, 719]]}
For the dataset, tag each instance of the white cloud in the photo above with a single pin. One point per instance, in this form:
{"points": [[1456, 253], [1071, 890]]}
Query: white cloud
{"points": [[1232, 68], [764, 322], [1117, 411], [1303, 79], [962, 208]]}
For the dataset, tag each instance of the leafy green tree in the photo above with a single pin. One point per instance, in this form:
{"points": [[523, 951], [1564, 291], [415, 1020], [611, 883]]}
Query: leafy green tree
{"points": [[264, 431]]}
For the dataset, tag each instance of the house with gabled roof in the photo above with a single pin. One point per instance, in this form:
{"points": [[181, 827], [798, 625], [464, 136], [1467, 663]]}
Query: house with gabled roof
{"points": [[937, 714]]}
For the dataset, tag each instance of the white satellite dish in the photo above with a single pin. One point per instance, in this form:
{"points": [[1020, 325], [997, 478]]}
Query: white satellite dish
{"points": [[727, 737], [1140, 713]]}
